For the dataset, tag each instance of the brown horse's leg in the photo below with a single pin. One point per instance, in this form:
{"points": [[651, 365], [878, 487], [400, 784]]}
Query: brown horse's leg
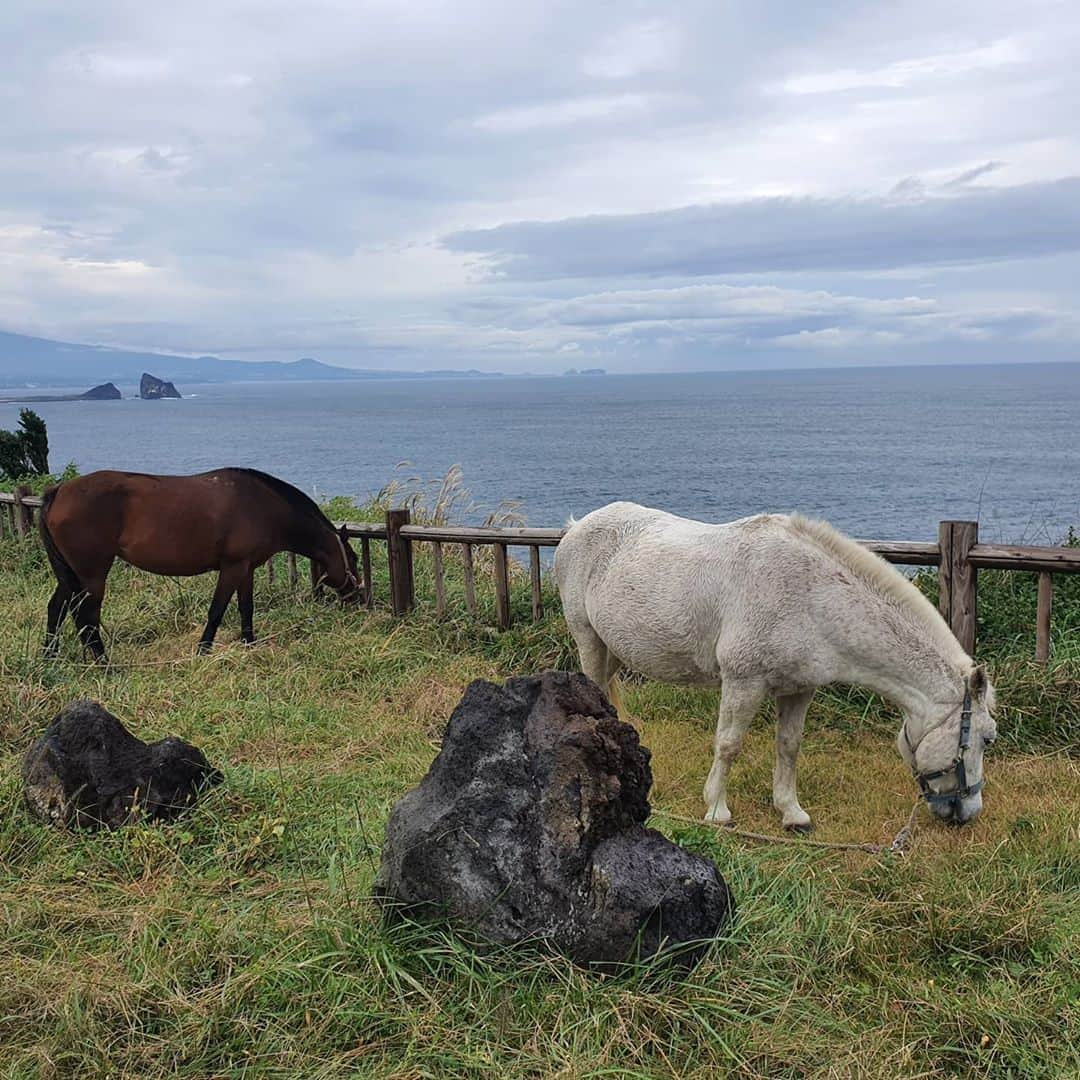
{"points": [[245, 601], [318, 576], [228, 580], [59, 606], [86, 607]]}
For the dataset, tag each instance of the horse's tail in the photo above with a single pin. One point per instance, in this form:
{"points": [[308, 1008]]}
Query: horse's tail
{"points": [[61, 567]]}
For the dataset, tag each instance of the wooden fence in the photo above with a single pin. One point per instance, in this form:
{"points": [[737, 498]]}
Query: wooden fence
{"points": [[957, 554]]}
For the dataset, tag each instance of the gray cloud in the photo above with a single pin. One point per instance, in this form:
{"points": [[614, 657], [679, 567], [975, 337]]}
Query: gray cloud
{"points": [[784, 234], [968, 175], [750, 319], [740, 305]]}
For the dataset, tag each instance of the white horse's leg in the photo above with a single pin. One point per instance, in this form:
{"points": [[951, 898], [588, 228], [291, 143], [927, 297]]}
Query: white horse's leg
{"points": [[593, 655], [611, 682], [739, 701], [598, 663], [790, 717]]}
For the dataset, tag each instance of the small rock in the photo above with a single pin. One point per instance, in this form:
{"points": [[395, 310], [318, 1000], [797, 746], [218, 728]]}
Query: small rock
{"points": [[89, 771], [529, 826]]}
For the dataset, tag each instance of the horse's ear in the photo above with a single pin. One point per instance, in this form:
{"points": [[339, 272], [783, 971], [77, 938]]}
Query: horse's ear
{"points": [[343, 532], [977, 683]]}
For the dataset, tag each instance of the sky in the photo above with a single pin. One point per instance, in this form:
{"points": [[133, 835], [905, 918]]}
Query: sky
{"points": [[537, 186]]}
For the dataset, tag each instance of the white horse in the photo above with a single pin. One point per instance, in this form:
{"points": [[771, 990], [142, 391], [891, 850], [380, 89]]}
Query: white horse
{"points": [[775, 605]]}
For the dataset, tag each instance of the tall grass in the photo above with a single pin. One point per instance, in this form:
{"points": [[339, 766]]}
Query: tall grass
{"points": [[240, 941]]}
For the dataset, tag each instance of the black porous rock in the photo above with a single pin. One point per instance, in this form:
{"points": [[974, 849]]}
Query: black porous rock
{"points": [[89, 771], [529, 826]]}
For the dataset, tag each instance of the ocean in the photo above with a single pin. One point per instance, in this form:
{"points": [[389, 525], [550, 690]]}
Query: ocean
{"points": [[881, 453]]}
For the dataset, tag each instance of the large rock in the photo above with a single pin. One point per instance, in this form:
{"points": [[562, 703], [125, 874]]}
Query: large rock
{"points": [[151, 388], [105, 392], [89, 771], [529, 826]]}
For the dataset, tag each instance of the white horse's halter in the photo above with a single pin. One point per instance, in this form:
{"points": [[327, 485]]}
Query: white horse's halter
{"points": [[963, 789]]}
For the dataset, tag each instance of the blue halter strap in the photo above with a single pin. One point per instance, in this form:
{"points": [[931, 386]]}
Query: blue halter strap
{"points": [[963, 789]]}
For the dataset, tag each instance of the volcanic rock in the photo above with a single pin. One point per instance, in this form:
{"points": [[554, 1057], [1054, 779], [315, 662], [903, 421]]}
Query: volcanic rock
{"points": [[89, 771], [529, 825]]}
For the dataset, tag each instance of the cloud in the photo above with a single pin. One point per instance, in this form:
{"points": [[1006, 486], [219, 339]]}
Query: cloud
{"points": [[769, 317], [572, 111], [968, 175], [651, 45], [791, 234], [902, 73], [740, 305]]}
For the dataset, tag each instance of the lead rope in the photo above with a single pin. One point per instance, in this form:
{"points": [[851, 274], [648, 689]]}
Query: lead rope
{"points": [[899, 845]]}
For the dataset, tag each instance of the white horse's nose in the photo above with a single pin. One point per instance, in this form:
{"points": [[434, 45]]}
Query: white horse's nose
{"points": [[970, 809], [958, 811]]}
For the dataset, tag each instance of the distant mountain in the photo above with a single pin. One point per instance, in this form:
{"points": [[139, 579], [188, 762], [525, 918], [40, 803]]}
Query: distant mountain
{"points": [[31, 361]]}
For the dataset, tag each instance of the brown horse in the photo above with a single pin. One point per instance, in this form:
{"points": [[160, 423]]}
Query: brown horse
{"points": [[229, 520]]}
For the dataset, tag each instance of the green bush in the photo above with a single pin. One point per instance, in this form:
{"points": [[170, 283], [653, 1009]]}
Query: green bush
{"points": [[25, 451]]}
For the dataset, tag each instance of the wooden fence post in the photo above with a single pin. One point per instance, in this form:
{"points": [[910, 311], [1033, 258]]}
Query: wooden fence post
{"points": [[1042, 618], [24, 515], [470, 582], [440, 582], [534, 576], [365, 568], [502, 587], [399, 555], [957, 580]]}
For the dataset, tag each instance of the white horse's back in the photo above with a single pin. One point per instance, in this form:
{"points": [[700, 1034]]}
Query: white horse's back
{"points": [[686, 601]]}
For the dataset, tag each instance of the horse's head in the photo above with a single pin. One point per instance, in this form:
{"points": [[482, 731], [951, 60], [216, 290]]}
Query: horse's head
{"points": [[947, 757], [339, 571]]}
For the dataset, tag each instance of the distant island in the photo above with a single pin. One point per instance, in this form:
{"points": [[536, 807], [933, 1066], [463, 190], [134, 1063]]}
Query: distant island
{"points": [[151, 388], [30, 362], [585, 371], [104, 392]]}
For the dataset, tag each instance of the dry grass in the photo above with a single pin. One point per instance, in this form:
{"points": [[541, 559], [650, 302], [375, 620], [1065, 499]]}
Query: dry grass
{"points": [[240, 941]]}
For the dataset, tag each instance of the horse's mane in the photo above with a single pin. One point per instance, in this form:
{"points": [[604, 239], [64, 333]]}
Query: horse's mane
{"points": [[297, 499], [884, 579]]}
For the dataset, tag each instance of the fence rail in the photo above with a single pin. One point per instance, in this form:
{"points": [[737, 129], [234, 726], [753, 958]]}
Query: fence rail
{"points": [[958, 555]]}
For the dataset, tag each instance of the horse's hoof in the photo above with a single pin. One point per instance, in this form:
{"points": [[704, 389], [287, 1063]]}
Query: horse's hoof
{"points": [[799, 828]]}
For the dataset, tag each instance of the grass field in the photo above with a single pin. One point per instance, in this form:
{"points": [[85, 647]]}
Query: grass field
{"points": [[240, 941]]}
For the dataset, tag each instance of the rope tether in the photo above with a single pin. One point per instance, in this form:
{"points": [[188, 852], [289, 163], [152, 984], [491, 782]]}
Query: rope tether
{"points": [[897, 847]]}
